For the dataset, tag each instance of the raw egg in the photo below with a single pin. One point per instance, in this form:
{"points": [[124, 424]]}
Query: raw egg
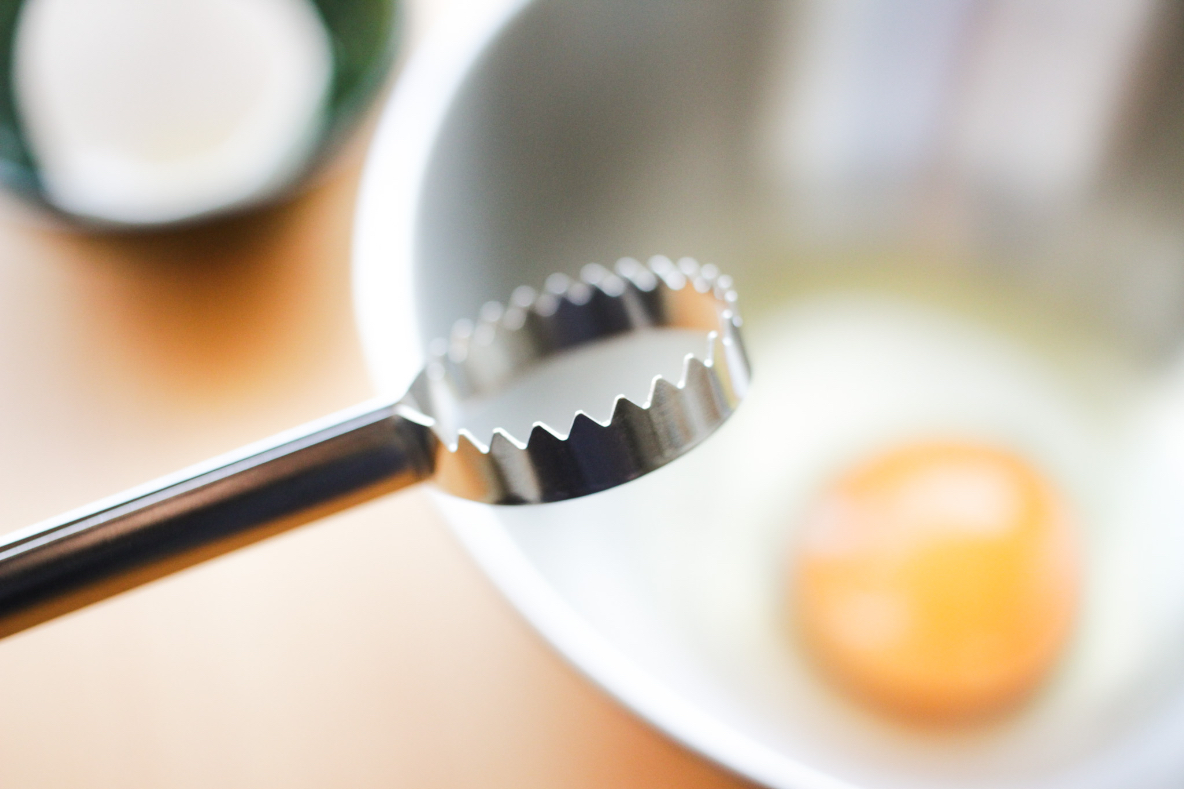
{"points": [[937, 581]]}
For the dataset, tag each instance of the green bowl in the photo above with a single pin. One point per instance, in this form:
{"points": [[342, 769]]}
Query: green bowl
{"points": [[134, 113]]}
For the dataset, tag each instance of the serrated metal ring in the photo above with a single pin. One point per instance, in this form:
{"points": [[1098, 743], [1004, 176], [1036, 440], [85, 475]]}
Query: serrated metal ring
{"points": [[482, 358]]}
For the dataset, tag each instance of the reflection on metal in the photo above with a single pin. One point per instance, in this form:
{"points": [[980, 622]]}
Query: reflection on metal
{"points": [[84, 556], [591, 456]]}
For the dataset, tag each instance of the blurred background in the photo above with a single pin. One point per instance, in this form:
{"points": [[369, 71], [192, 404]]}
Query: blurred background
{"points": [[954, 225], [363, 650]]}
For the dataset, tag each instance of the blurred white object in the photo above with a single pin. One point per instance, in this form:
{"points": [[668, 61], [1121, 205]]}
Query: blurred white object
{"points": [[859, 100], [1015, 99], [151, 111], [1043, 91]]}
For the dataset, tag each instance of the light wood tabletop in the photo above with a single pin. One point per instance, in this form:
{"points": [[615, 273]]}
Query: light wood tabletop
{"points": [[364, 650]]}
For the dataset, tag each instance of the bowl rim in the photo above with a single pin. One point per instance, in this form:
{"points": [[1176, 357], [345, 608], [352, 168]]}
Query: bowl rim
{"points": [[383, 256]]}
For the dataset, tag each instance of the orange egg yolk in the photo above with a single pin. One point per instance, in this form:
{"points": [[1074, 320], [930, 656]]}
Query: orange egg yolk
{"points": [[938, 581]]}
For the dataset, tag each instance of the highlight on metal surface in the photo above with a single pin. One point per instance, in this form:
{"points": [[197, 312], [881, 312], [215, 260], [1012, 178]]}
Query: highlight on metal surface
{"points": [[556, 462], [260, 490]]}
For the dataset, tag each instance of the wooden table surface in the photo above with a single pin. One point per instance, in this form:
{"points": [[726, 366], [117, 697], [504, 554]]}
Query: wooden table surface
{"points": [[364, 650]]}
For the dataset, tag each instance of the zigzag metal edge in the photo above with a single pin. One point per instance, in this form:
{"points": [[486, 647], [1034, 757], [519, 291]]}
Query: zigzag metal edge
{"points": [[592, 455]]}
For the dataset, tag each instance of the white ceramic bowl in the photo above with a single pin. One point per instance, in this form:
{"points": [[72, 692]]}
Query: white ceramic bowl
{"points": [[775, 140]]}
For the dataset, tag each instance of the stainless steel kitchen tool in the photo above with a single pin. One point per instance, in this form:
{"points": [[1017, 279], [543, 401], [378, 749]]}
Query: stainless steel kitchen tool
{"points": [[260, 490]]}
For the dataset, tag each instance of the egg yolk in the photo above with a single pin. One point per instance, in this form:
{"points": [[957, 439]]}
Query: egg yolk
{"points": [[938, 581]]}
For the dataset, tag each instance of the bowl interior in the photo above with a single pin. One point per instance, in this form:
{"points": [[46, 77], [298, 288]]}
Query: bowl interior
{"points": [[980, 181]]}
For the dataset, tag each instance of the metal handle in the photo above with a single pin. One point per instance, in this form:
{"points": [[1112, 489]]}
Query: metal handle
{"points": [[87, 555]]}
